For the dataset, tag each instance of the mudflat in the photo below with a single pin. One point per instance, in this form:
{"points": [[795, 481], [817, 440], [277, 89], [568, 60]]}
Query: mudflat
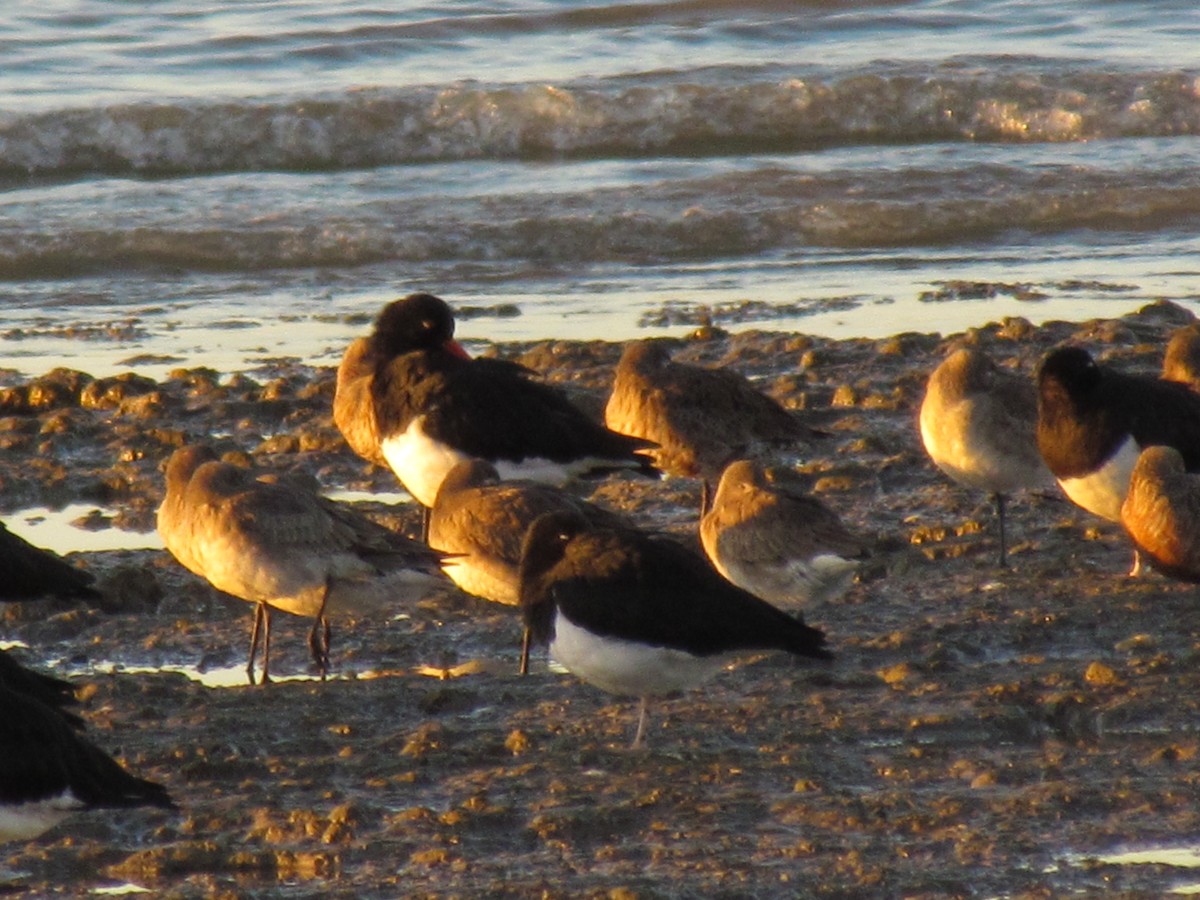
{"points": [[982, 732]]}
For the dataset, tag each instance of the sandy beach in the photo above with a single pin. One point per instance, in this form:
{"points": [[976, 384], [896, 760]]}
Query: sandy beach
{"points": [[982, 732]]}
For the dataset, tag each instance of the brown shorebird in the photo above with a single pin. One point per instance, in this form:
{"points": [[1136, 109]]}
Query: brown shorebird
{"points": [[28, 572], [701, 418], [1161, 512], [353, 411], [979, 426], [1094, 421], [436, 407], [1181, 362], [640, 615], [48, 771], [480, 522], [283, 547], [770, 538]]}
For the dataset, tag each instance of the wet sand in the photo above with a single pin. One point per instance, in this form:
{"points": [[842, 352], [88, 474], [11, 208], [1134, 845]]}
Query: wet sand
{"points": [[982, 732]]}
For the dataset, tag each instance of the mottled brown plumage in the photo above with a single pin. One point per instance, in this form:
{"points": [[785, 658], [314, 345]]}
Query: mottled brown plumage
{"points": [[700, 417], [480, 522], [770, 538]]}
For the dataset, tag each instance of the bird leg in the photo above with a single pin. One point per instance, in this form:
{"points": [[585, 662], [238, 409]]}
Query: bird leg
{"points": [[262, 625], [1136, 570], [641, 726], [526, 638], [426, 515], [1000, 516], [319, 637]]}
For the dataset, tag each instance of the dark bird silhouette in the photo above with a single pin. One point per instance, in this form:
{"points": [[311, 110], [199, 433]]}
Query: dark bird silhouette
{"points": [[46, 689], [29, 573], [640, 615], [48, 771]]}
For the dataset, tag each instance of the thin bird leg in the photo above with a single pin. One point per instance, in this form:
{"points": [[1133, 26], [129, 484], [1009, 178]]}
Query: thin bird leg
{"points": [[1136, 570], [1000, 516], [525, 641], [318, 647], [266, 675], [641, 728], [254, 633], [426, 515]]}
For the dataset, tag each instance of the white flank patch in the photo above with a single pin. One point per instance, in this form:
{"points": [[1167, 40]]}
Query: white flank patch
{"points": [[420, 462], [793, 585], [1103, 491], [626, 667], [26, 821]]}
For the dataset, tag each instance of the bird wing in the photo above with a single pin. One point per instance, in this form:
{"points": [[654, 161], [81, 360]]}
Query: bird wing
{"points": [[653, 590]]}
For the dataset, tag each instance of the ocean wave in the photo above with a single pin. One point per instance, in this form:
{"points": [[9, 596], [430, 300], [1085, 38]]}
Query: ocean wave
{"points": [[769, 210], [681, 115]]}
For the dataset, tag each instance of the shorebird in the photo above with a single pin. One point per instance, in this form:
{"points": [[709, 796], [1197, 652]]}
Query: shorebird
{"points": [[46, 689], [1161, 512], [435, 407], [640, 615], [1093, 422], [48, 771], [1181, 362], [353, 411], [770, 538], [979, 426], [480, 522], [283, 547], [700, 418], [28, 572]]}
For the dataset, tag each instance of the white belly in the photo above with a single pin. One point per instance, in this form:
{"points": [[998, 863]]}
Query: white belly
{"points": [[1103, 491], [796, 583], [627, 668], [26, 821], [420, 462]]}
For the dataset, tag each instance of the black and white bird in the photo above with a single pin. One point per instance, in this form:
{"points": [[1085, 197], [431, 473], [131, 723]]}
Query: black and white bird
{"points": [[48, 771], [281, 546], [769, 537], [29, 573], [1094, 421], [435, 407], [700, 418], [47, 689], [640, 615], [979, 426]]}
